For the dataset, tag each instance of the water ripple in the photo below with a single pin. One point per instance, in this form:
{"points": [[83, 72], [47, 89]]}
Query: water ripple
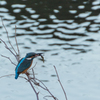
{"points": [[66, 31]]}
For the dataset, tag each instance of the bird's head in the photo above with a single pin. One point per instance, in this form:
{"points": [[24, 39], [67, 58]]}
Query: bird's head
{"points": [[33, 55]]}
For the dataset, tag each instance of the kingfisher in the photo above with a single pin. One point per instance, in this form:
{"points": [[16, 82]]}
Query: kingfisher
{"points": [[25, 63]]}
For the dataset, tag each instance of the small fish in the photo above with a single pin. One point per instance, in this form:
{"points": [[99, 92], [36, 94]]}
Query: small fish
{"points": [[42, 58]]}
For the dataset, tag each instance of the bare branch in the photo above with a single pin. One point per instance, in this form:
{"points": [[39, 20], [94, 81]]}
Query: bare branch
{"points": [[12, 75], [33, 81], [7, 75], [30, 79], [46, 97], [8, 36], [9, 59], [33, 73], [23, 78], [8, 41], [17, 44], [33, 66], [37, 93], [60, 83], [7, 47], [45, 88]]}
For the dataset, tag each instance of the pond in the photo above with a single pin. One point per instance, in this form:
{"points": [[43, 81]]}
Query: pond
{"points": [[67, 32]]}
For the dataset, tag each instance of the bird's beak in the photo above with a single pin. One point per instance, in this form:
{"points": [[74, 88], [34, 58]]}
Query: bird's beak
{"points": [[38, 54]]}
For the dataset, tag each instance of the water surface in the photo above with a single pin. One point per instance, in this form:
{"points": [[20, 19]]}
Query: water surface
{"points": [[67, 32]]}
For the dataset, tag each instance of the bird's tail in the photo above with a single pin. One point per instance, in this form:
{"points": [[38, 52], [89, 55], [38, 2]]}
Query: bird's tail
{"points": [[16, 75]]}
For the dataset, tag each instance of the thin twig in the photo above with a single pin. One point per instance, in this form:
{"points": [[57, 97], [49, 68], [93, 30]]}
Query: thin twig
{"points": [[17, 44], [60, 83], [33, 66], [23, 78], [12, 75], [33, 73], [46, 97], [9, 59], [6, 75], [37, 93], [8, 36], [46, 89], [33, 70], [7, 47]]}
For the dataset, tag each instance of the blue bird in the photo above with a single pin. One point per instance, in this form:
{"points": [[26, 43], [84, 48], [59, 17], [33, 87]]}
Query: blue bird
{"points": [[25, 63]]}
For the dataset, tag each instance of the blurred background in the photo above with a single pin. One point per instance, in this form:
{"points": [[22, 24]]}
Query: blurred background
{"points": [[67, 32]]}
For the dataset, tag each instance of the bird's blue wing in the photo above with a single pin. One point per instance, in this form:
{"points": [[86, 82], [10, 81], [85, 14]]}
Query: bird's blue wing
{"points": [[24, 65], [18, 63]]}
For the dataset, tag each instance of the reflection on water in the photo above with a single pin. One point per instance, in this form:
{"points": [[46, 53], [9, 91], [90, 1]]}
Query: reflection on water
{"points": [[62, 29], [63, 20]]}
